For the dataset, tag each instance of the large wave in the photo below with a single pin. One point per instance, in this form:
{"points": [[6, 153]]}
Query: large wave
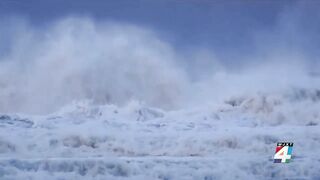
{"points": [[76, 59]]}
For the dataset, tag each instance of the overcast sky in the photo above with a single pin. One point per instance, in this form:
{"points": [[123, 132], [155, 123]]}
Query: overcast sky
{"points": [[232, 29]]}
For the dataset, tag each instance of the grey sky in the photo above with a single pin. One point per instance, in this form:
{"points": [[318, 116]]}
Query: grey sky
{"points": [[234, 30]]}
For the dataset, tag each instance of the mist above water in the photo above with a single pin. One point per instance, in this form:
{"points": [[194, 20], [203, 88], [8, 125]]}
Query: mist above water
{"points": [[76, 58]]}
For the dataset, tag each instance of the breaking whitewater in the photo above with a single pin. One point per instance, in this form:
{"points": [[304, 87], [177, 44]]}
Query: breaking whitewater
{"points": [[81, 100]]}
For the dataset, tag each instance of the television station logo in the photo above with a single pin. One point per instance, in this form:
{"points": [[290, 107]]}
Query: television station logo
{"points": [[283, 152]]}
